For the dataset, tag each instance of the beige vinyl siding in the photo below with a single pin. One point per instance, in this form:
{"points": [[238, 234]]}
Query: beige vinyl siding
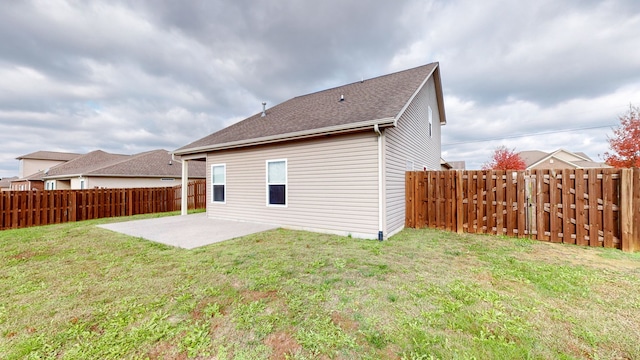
{"points": [[32, 166], [410, 141], [331, 185]]}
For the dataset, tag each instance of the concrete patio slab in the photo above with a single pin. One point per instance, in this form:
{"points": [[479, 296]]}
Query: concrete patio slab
{"points": [[187, 232]]}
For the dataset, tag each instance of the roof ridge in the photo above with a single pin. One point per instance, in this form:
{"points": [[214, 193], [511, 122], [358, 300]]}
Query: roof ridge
{"points": [[124, 160], [363, 80]]}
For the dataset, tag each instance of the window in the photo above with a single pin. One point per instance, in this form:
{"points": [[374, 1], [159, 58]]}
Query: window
{"points": [[430, 121], [50, 185], [82, 186], [218, 182], [277, 182], [409, 165]]}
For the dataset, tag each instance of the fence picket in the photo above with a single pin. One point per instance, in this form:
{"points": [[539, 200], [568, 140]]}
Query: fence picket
{"points": [[20, 209], [570, 206]]}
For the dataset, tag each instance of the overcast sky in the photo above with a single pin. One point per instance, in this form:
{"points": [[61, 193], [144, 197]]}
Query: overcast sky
{"points": [[129, 77]]}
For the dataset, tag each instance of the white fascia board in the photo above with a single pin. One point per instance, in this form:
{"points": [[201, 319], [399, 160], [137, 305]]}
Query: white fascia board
{"points": [[62, 177], [288, 136], [404, 108]]}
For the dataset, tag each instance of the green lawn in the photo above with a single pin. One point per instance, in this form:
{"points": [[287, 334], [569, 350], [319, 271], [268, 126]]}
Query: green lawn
{"points": [[76, 291]]}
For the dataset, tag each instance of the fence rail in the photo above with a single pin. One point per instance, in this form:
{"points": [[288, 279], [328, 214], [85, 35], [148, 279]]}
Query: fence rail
{"points": [[594, 207], [20, 209]]}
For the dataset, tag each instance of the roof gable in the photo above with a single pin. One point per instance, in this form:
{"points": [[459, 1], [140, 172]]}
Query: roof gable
{"points": [[376, 100]]}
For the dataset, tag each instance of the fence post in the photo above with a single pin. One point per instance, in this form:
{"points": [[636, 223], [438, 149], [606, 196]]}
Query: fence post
{"points": [[635, 220], [409, 186], [459, 196], [73, 207], [629, 209]]}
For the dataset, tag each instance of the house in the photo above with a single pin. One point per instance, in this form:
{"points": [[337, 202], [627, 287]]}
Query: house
{"points": [[559, 159], [458, 165], [5, 183], [34, 164], [332, 161], [99, 169], [31, 182], [452, 165]]}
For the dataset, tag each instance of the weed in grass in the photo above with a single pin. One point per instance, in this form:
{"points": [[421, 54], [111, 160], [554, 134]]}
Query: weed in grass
{"points": [[196, 340], [321, 336]]}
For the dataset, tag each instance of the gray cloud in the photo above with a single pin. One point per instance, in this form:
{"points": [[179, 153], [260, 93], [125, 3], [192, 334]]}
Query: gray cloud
{"points": [[122, 77]]}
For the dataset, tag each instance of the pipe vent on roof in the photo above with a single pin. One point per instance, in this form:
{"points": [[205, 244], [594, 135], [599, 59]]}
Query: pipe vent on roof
{"points": [[264, 109], [341, 97]]}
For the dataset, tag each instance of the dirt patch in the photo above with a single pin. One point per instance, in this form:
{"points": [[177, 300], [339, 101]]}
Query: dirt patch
{"points": [[224, 303], [251, 296], [165, 350], [343, 322], [25, 255], [282, 345], [390, 352]]}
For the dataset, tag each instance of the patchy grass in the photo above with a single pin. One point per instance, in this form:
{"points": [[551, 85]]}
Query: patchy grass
{"points": [[76, 291]]}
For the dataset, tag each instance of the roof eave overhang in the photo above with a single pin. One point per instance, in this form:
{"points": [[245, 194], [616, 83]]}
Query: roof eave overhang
{"points": [[298, 135], [141, 176], [61, 177]]}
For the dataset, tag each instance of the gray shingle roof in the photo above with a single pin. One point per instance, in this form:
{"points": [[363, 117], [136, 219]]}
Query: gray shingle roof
{"points": [[153, 163], [532, 156], [383, 97], [85, 163], [6, 182], [49, 155]]}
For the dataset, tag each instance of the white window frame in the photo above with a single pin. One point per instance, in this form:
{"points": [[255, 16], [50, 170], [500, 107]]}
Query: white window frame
{"points": [[82, 184], [224, 167], [286, 183], [409, 166], [50, 185], [430, 115]]}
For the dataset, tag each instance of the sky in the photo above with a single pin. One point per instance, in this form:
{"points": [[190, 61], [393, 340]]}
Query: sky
{"points": [[127, 77]]}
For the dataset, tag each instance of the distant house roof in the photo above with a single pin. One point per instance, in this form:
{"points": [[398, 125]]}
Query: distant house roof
{"points": [[580, 160], [155, 163], [84, 164], [6, 182], [363, 104], [458, 165], [49, 155]]}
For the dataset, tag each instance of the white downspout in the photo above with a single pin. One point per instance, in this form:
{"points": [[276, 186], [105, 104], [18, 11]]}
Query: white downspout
{"points": [[376, 128]]}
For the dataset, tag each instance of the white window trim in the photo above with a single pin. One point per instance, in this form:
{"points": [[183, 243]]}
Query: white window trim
{"points": [[286, 183], [50, 185], [224, 167]]}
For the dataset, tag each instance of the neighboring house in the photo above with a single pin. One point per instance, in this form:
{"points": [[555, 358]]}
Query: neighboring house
{"points": [[33, 165], [5, 183], [559, 159], [42, 160], [333, 161], [99, 169], [444, 165], [30, 182], [458, 165]]}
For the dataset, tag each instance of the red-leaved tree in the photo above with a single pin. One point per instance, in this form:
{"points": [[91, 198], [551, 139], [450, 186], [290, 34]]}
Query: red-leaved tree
{"points": [[625, 142], [505, 159]]}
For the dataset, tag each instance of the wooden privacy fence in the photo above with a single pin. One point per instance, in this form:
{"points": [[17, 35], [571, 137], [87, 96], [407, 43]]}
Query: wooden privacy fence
{"points": [[20, 209], [593, 207]]}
